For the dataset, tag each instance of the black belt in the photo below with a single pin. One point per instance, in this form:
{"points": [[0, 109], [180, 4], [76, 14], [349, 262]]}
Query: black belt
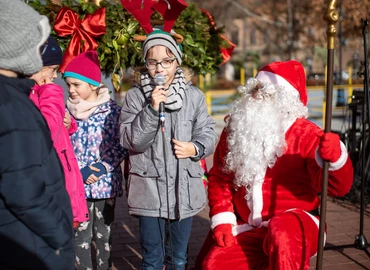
{"points": [[314, 212]]}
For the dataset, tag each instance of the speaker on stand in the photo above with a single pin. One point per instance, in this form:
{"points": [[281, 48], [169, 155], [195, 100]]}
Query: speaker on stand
{"points": [[354, 132]]}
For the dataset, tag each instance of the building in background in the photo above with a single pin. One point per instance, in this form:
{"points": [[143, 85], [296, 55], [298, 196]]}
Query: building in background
{"points": [[295, 32]]}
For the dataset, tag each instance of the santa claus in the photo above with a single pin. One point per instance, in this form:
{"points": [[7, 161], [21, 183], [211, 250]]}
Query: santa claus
{"points": [[266, 178]]}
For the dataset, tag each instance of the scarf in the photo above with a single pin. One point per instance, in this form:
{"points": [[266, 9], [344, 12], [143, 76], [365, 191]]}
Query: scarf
{"points": [[176, 89], [82, 109]]}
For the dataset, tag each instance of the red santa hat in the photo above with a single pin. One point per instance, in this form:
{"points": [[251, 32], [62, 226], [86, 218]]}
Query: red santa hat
{"points": [[289, 74]]}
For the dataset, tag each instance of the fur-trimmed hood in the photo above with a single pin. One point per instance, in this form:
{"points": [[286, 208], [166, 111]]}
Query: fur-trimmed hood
{"points": [[136, 74]]}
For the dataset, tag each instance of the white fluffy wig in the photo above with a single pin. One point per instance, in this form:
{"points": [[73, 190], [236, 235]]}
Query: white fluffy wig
{"points": [[257, 125]]}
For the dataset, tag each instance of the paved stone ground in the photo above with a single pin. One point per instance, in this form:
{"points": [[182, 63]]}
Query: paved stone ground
{"points": [[342, 221]]}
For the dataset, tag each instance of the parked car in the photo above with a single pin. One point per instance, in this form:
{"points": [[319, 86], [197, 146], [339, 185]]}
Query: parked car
{"points": [[345, 76], [315, 79]]}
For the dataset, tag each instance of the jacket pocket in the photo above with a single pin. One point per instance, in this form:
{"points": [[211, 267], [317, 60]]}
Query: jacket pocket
{"points": [[143, 193], [143, 169], [196, 190], [64, 153]]}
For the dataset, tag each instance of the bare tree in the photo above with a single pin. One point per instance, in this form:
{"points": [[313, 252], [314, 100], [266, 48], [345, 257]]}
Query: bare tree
{"points": [[287, 26]]}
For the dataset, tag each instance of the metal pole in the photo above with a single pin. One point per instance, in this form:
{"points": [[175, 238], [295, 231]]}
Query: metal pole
{"points": [[290, 28], [331, 16]]}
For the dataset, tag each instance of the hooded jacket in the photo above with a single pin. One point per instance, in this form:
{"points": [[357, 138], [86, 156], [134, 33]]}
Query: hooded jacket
{"points": [[158, 181], [49, 98]]}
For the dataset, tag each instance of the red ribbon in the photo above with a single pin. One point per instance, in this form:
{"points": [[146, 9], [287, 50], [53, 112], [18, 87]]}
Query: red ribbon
{"points": [[142, 12], [170, 10], [83, 32], [226, 52]]}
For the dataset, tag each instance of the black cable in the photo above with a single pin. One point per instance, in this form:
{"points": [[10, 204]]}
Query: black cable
{"points": [[167, 195]]}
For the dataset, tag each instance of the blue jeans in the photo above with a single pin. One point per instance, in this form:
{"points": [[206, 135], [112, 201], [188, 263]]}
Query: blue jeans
{"points": [[155, 239]]}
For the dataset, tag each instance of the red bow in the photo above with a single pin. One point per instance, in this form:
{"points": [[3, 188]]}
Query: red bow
{"points": [[83, 32], [226, 52]]}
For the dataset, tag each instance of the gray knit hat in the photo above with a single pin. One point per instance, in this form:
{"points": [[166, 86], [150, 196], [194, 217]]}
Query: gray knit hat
{"points": [[22, 32], [159, 37]]}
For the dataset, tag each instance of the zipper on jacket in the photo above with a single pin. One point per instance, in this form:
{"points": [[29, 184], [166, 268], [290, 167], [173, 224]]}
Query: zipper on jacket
{"points": [[64, 152]]}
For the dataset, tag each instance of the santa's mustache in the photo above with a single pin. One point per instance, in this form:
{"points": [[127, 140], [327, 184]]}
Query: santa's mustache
{"points": [[257, 89]]}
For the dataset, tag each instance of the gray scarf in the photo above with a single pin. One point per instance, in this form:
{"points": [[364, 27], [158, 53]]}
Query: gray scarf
{"points": [[176, 89]]}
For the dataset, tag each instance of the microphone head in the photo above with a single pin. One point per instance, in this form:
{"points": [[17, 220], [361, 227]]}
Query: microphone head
{"points": [[159, 79]]}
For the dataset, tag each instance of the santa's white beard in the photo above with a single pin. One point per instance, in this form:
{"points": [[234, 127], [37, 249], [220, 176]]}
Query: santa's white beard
{"points": [[257, 125]]}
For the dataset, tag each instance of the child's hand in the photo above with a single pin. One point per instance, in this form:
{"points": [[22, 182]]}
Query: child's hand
{"points": [[99, 169], [67, 120], [158, 95], [92, 178], [184, 149], [88, 174]]}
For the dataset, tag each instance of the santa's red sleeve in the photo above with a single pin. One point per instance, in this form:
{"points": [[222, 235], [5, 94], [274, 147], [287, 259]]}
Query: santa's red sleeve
{"points": [[221, 187]]}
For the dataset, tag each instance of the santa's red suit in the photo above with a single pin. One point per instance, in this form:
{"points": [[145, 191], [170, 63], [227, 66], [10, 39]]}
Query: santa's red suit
{"points": [[276, 225]]}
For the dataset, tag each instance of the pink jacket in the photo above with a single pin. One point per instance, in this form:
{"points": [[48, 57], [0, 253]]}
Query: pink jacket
{"points": [[49, 98]]}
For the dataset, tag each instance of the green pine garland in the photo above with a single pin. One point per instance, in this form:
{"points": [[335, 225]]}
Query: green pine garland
{"points": [[118, 50]]}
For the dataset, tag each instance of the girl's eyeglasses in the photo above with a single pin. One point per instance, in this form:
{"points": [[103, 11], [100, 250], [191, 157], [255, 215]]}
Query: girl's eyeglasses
{"points": [[165, 63]]}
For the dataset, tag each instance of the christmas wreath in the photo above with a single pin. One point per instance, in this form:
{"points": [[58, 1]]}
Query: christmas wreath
{"points": [[203, 46]]}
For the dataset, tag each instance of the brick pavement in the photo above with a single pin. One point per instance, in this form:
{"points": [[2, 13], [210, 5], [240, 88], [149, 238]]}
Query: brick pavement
{"points": [[342, 221]]}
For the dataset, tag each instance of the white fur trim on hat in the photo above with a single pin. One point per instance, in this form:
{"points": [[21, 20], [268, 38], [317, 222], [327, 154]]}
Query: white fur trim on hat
{"points": [[269, 77], [223, 218], [333, 166]]}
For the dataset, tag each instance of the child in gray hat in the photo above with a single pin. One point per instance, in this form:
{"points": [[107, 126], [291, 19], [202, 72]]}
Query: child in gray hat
{"points": [[165, 187], [35, 213]]}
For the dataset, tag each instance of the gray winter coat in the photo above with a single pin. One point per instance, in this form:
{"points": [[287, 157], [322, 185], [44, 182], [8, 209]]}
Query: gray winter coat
{"points": [[148, 183]]}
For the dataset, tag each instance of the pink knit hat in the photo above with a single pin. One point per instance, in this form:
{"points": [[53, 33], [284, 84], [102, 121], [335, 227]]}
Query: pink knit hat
{"points": [[85, 67], [289, 74]]}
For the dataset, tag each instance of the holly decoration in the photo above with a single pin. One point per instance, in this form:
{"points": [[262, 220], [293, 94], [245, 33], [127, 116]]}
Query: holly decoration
{"points": [[118, 50]]}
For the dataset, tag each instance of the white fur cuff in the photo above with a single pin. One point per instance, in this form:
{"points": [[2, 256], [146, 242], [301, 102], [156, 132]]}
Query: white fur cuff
{"points": [[223, 218], [333, 166]]}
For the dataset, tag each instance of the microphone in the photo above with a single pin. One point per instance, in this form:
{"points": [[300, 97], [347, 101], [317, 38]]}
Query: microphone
{"points": [[159, 79]]}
